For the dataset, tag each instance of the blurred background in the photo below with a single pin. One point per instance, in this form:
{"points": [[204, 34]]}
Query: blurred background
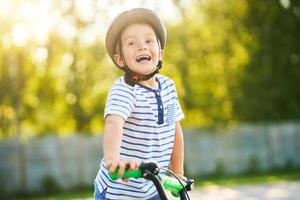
{"points": [[235, 63]]}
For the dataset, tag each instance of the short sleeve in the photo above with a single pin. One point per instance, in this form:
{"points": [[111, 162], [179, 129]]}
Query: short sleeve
{"points": [[120, 100], [179, 113]]}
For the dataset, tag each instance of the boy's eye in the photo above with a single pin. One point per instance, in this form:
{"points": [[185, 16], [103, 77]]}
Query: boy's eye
{"points": [[149, 41], [130, 43]]}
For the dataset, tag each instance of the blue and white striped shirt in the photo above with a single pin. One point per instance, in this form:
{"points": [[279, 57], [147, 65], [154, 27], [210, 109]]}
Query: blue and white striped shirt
{"points": [[148, 132]]}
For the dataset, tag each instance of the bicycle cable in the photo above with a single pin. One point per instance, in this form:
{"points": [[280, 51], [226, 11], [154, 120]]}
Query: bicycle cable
{"points": [[173, 174]]}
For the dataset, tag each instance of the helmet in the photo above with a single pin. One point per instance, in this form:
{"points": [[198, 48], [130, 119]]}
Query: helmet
{"points": [[126, 18]]}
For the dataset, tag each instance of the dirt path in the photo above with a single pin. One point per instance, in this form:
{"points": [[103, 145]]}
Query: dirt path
{"points": [[278, 191]]}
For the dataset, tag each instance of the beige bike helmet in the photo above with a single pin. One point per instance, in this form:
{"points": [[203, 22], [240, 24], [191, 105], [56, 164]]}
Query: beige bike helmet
{"points": [[126, 18]]}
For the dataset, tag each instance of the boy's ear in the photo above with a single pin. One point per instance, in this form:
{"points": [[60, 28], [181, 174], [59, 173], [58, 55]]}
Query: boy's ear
{"points": [[118, 60], [161, 54]]}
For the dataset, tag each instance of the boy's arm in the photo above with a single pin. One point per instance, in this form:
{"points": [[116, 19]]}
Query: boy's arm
{"points": [[177, 156], [112, 139]]}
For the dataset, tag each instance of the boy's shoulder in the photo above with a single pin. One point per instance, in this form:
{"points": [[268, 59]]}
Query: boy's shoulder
{"points": [[120, 81], [121, 84], [163, 78]]}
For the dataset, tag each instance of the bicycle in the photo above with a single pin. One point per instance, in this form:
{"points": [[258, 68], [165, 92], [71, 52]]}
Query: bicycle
{"points": [[150, 171]]}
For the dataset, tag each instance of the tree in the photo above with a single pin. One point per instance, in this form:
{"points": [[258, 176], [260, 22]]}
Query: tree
{"points": [[269, 86]]}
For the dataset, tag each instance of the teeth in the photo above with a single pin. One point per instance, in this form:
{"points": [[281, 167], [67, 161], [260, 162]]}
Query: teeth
{"points": [[143, 57]]}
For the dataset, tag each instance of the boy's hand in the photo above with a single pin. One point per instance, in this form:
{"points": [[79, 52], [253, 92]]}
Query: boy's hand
{"points": [[181, 176], [113, 164]]}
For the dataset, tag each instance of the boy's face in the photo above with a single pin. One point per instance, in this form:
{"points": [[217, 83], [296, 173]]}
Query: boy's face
{"points": [[140, 49]]}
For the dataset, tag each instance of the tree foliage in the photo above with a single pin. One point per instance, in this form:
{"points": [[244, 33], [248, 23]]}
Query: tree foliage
{"points": [[233, 61], [269, 87]]}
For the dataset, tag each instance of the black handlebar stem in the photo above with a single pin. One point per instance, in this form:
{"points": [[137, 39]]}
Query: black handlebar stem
{"points": [[155, 179], [149, 167], [150, 172]]}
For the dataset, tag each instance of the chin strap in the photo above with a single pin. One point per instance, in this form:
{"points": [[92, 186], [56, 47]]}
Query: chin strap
{"points": [[131, 78]]}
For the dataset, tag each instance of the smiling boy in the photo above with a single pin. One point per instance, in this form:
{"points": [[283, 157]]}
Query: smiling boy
{"points": [[142, 112]]}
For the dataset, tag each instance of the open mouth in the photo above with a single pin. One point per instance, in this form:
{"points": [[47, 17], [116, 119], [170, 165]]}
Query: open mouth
{"points": [[143, 57]]}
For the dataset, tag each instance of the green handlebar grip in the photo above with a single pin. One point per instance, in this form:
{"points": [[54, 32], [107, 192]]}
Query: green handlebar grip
{"points": [[127, 174], [172, 184]]}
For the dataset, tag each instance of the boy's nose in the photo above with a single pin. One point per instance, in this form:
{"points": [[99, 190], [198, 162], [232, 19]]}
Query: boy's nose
{"points": [[142, 46]]}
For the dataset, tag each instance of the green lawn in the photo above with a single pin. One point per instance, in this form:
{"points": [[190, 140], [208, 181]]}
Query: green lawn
{"points": [[270, 178], [263, 178], [80, 195]]}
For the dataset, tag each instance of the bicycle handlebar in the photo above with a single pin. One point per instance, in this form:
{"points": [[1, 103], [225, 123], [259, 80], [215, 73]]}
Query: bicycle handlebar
{"points": [[150, 171], [127, 174]]}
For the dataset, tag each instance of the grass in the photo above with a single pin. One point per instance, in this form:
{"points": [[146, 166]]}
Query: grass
{"points": [[247, 179], [76, 195]]}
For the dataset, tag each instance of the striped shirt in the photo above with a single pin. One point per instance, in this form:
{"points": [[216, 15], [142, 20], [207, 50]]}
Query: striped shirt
{"points": [[148, 132]]}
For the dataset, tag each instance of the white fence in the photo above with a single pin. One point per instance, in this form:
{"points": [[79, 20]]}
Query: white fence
{"points": [[75, 160], [244, 148], [71, 162]]}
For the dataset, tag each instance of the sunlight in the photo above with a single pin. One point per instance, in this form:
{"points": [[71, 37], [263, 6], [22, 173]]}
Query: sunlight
{"points": [[20, 35], [28, 12], [85, 10], [33, 21], [165, 9], [4, 7], [67, 28], [29, 21], [41, 54], [42, 22], [285, 3], [6, 41]]}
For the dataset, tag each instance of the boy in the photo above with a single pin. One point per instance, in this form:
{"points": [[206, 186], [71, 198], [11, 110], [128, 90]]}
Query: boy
{"points": [[142, 113]]}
